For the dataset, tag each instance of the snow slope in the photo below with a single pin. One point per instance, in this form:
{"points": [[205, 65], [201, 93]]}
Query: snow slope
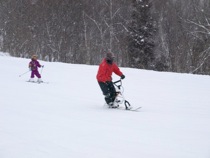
{"points": [[66, 118]]}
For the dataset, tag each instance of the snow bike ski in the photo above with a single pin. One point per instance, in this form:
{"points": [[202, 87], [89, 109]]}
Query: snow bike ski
{"points": [[131, 109]]}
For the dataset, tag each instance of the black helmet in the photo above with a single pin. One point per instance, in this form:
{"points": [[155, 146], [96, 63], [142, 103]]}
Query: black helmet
{"points": [[110, 56]]}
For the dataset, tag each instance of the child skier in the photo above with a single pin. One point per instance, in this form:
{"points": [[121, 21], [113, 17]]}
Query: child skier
{"points": [[33, 66], [104, 78]]}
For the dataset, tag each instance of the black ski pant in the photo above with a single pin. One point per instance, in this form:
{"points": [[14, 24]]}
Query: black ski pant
{"points": [[108, 90]]}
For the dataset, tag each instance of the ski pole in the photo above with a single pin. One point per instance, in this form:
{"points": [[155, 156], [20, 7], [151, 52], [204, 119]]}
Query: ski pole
{"points": [[42, 69], [24, 73]]}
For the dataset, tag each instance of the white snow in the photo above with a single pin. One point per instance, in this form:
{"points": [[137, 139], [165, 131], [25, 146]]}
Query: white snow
{"points": [[66, 118]]}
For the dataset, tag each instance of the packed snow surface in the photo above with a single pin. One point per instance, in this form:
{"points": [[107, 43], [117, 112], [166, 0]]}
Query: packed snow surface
{"points": [[67, 118]]}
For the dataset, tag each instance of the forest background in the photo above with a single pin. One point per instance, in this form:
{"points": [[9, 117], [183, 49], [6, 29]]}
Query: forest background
{"points": [[160, 35]]}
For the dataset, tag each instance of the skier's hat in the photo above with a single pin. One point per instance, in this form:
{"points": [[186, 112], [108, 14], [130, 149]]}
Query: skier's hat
{"points": [[110, 56], [34, 57]]}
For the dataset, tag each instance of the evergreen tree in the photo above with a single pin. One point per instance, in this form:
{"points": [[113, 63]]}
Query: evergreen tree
{"points": [[141, 31]]}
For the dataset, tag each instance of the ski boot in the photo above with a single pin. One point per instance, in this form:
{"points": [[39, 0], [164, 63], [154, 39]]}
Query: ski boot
{"points": [[31, 80], [39, 80], [113, 105]]}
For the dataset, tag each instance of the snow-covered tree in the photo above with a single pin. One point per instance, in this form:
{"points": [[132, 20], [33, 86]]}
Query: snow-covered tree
{"points": [[141, 33]]}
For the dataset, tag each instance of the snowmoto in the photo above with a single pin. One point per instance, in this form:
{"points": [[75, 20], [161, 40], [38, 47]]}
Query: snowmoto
{"points": [[120, 99]]}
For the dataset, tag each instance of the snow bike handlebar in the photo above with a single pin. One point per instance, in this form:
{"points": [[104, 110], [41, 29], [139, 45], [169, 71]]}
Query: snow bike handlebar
{"points": [[119, 86], [118, 81]]}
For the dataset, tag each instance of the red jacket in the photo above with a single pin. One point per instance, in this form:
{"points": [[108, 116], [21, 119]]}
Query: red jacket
{"points": [[105, 71]]}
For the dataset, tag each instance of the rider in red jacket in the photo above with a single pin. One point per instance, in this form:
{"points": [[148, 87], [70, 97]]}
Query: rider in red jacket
{"points": [[104, 77]]}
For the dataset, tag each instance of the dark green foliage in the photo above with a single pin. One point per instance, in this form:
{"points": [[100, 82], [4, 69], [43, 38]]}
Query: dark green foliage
{"points": [[142, 30]]}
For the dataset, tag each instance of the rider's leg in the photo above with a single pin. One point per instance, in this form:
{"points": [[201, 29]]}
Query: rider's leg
{"points": [[105, 89], [112, 91]]}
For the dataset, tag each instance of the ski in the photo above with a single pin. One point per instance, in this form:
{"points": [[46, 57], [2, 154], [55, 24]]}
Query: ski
{"points": [[135, 109], [132, 109], [38, 82]]}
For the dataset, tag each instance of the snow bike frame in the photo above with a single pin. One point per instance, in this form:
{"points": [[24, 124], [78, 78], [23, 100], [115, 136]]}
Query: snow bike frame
{"points": [[120, 99]]}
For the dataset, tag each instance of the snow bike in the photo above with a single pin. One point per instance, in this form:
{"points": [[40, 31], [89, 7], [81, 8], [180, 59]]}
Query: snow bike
{"points": [[120, 99]]}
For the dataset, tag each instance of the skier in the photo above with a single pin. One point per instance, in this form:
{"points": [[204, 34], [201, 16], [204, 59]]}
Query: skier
{"points": [[33, 66], [104, 78]]}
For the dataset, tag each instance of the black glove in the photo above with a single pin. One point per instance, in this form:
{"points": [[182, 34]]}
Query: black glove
{"points": [[123, 76], [42, 66]]}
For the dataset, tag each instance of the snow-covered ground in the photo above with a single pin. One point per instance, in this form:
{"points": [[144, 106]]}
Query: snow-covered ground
{"points": [[66, 118]]}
